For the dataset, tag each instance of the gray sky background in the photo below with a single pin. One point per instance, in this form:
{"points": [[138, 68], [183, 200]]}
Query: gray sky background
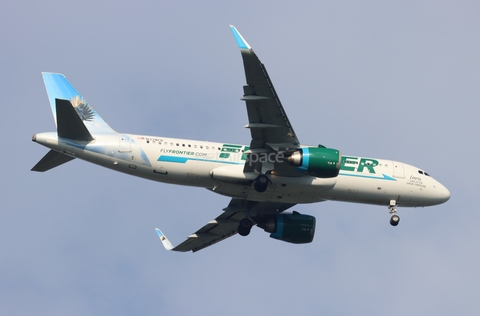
{"points": [[377, 79]]}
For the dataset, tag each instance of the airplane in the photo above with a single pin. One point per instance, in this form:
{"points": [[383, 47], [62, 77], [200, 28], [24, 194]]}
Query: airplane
{"points": [[263, 179]]}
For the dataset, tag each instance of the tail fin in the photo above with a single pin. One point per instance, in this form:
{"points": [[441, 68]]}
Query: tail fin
{"points": [[58, 89], [74, 117]]}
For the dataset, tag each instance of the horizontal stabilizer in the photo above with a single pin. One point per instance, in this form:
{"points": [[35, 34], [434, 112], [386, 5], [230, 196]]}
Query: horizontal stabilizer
{"points": [[69, 124], [51, 160]]}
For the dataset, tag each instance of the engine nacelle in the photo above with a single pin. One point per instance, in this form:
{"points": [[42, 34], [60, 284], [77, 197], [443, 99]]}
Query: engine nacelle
{"points": [[294, 228], [320, 162]]}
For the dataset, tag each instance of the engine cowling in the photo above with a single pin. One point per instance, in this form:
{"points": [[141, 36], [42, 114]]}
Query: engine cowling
{"points": [[295, 228], [320, 162]]}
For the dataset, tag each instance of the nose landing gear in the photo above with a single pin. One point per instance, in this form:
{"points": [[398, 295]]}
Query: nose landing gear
{"points": [[392, 208], [394, 220]]}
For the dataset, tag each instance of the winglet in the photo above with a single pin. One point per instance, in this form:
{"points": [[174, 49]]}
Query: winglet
{"points": [[241, 42], [166, 243]]}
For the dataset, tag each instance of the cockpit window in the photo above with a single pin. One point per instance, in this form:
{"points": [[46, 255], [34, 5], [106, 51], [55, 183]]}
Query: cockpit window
{"points": [[423, 172]]}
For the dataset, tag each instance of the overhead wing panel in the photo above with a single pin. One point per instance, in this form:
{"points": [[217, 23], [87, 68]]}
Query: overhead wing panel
{"points": [[220, 228], [268, 122], [223, 226]]}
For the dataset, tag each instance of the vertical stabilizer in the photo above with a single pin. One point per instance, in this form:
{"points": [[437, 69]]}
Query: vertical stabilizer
{"points": [[58, 87]]}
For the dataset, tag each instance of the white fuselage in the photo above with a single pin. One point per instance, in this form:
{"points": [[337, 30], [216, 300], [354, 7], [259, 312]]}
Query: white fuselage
{"points": [[219, 168]]}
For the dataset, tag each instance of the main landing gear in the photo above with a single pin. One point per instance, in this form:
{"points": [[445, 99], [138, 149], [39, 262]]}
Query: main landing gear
{"points": [[244, 227], [261, 183], [392, 208]]}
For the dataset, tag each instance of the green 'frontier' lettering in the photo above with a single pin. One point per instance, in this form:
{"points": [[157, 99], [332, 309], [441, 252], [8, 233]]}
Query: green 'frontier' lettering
{"points": [[350, 161], [367, 163], [353, 164]]}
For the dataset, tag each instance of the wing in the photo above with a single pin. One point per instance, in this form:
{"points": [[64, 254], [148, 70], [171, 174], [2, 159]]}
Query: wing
{"points": [[271, 133], [224, 225], [268, 123]]}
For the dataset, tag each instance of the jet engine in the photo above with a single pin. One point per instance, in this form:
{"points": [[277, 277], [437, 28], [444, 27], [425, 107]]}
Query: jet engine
{"points": [[295, 228], [319, 161]]}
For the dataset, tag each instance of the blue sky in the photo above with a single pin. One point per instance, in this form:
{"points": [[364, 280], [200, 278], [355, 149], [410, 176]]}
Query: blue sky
{"points": [[375, 78]]}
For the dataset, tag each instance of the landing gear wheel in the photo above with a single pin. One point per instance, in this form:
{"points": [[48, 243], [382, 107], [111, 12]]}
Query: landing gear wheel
{"points": [[244, 227], [261, 183], [392, 208], [394, 220]]}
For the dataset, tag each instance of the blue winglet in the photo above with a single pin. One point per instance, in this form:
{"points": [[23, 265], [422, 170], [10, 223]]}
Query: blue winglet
{"points": [[241, 42], [166, 243]]}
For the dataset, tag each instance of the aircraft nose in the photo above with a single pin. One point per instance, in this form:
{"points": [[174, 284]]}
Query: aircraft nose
{"points": [[443, 195]]}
